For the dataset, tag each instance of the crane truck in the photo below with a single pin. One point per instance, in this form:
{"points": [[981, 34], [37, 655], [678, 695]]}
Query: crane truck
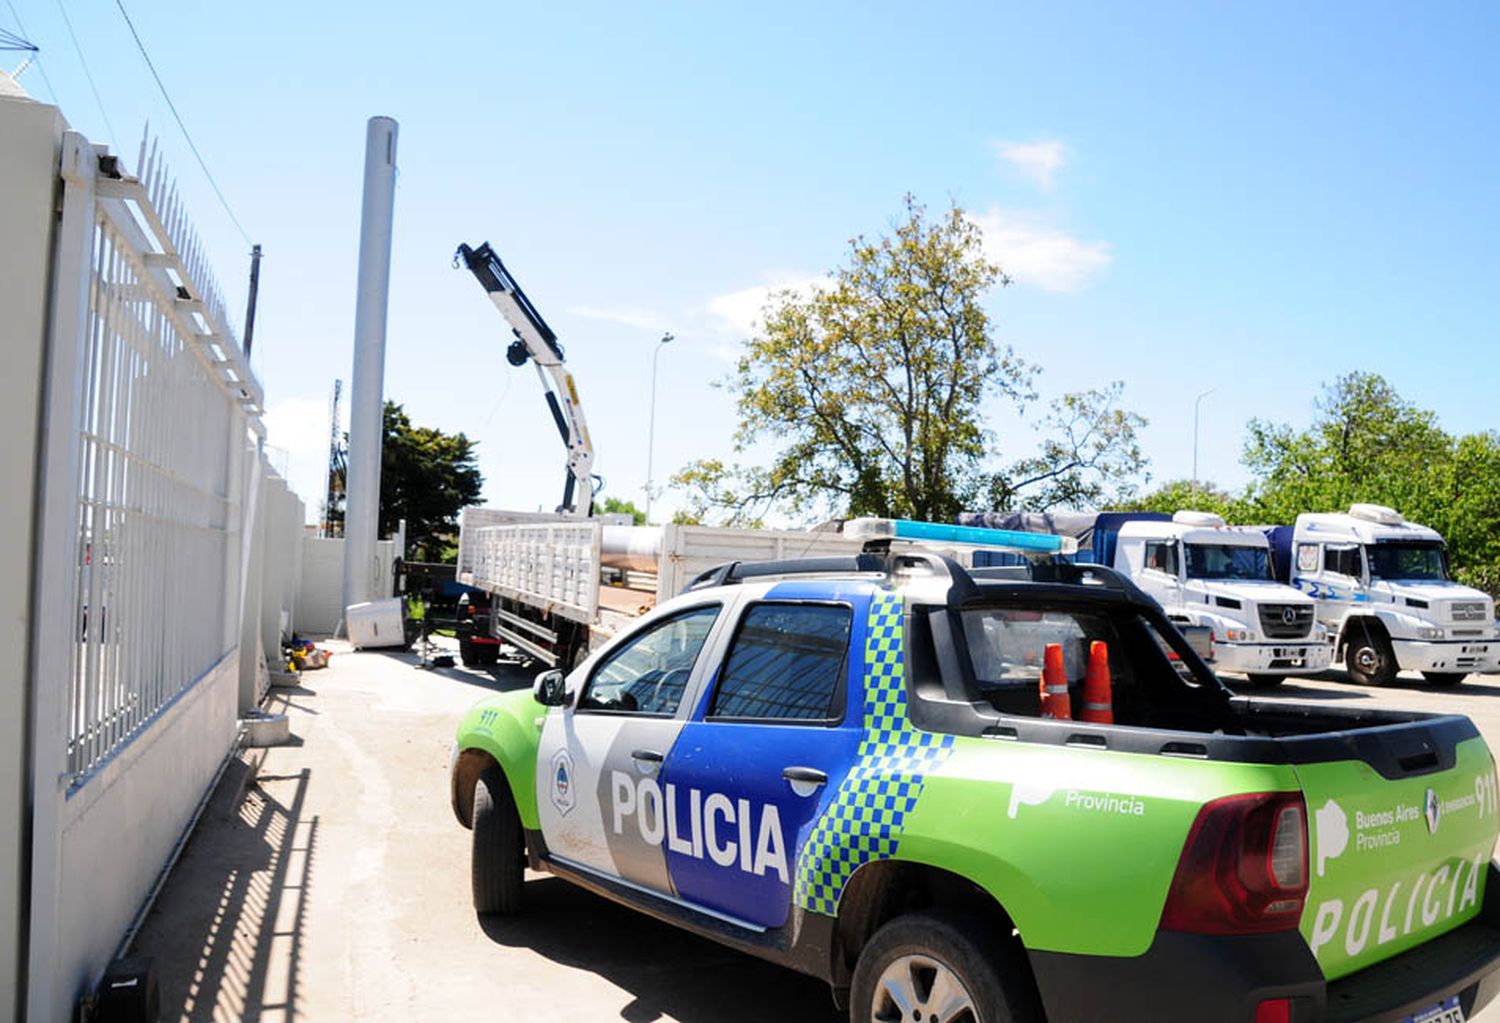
{"points": [[535, 342], [542, 576]]}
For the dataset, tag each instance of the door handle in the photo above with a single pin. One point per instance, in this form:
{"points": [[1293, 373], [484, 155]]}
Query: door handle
{"points": [[807, 775], [647, 754]]}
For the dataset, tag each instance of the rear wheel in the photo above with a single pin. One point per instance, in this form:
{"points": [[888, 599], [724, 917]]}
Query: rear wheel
{"points": [[497, 855], [1369, 657], [942, 967], [1444, 678], [1266, 681]]}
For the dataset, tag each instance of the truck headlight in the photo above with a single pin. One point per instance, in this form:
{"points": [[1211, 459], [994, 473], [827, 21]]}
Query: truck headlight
{"points": [[1429, 632], [1239, 635]]}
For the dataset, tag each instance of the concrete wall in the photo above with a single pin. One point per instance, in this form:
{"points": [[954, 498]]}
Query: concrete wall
{"points": [[321, 591], [120, 826], [28, 168]]}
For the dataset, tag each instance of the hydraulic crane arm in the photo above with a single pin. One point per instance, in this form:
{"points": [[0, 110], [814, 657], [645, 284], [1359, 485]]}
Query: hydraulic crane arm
{"points": [[536, 341]]}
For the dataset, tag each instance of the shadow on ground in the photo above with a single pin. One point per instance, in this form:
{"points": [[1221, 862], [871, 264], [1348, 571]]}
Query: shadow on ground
{"points": [[500, 678], [235, 909], [667, 971]]}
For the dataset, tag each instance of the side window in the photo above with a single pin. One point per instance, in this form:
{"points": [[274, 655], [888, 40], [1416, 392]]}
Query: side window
{"points": [[1342, 560], [786, 663], [1161, 555], [650, 672], [1307, 557]]}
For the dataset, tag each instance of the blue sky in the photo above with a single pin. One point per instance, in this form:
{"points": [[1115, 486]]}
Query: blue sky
{"points": [[1246, 198]]}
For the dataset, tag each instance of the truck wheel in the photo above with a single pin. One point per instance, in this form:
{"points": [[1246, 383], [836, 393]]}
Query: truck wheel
{"points": [[497, 856], [1444, 678], [942, 967], [1369, 658], [1266, 681]]}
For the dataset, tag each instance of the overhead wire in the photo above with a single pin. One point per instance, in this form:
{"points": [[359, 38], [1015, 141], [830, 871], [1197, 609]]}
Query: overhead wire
{"points": [[98, 100], [36, 52], [10, 41], [173, 108]]}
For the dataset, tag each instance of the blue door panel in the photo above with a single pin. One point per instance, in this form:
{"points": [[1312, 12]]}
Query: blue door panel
{"points": [[740, 765], [738, 823]]}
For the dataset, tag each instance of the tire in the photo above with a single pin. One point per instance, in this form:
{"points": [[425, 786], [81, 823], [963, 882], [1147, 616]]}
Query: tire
{"points": [[929, 953], [497, 857], [1444, 678], [1266, 681], [1369, 657]]}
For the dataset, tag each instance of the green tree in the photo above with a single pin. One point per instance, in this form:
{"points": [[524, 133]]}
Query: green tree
{"points": [[426, 477], [1177, 495], [1368, 444], [616, 506], [865, 396]]}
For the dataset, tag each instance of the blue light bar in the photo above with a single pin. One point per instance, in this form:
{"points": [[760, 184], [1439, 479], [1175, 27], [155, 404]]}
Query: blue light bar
{"points": [[969, 536]]}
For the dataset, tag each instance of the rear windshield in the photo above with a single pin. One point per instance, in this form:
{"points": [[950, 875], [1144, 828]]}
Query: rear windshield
{"points": [[1007, 648], [1227, 561]]}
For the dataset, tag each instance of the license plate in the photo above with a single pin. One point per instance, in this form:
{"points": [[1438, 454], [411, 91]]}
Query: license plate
{"points": [[1449, 1011]]}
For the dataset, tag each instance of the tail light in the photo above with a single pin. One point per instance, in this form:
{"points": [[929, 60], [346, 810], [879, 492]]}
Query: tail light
{"points": [[1243, 869]]}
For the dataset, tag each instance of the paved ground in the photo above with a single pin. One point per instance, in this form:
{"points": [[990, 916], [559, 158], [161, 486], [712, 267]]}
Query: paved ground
{"points": [[331, 883], [328, 881]]}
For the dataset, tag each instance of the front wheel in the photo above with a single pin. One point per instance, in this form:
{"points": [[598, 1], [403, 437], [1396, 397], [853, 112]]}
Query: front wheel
{"points": [[497, 856], [941, 967], [1369, 658], [1444, 678]]}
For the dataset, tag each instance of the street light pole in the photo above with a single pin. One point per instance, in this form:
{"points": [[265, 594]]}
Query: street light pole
{"points": [[1196, 403], [651, 429]]}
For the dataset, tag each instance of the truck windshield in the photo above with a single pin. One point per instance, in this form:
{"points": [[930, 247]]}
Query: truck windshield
{"points": [[1407, 561], [1227, 561]]}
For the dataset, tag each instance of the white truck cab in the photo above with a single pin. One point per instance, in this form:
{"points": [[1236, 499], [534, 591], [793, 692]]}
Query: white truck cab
{"points": [[1206, 573], [1382, 588]]}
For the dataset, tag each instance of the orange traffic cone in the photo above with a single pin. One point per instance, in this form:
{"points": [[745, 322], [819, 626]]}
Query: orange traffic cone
{"points": [[1055, 702], [1098, 707]]}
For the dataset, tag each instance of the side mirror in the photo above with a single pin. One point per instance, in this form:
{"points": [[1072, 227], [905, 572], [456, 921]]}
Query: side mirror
{"points": [[550, 689]]}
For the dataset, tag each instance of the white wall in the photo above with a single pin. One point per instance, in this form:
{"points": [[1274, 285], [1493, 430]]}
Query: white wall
{"points": [[320, 595], [28, 168], [120, 826]]}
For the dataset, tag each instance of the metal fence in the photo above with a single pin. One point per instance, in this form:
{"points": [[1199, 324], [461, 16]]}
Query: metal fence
{"points": [[160, 424]]}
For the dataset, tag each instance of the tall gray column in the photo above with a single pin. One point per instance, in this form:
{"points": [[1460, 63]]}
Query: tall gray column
{"points": [[367, 394]]}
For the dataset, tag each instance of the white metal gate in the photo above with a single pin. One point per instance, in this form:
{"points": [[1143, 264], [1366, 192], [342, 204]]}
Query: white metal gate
{"points": [[150, 475]]}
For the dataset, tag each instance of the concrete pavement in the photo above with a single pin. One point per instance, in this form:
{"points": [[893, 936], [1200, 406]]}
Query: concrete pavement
{"points": [[328, 880]]}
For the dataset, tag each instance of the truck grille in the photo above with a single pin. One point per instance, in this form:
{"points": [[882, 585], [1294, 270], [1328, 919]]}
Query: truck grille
{"points": [[1286, 621], [1469, 611]]}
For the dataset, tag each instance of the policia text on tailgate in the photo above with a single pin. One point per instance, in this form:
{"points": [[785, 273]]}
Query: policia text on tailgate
{"points": [[993, 794]]}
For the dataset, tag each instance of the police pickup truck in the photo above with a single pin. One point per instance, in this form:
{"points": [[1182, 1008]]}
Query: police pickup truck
{"points": [[842, 765]]}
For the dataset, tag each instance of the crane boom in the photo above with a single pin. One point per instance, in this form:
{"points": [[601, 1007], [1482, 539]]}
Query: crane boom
{"points": [[537, 342]]}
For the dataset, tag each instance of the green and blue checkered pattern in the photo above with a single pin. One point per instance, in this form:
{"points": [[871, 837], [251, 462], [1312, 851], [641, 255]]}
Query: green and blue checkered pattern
{"points": [[863, 822]]}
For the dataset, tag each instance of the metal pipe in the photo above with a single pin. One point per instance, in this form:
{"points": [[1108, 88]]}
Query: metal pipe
{"points": [[254, 294], [366, 392], [1196, 403], [637, 548], [651, 428]]}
